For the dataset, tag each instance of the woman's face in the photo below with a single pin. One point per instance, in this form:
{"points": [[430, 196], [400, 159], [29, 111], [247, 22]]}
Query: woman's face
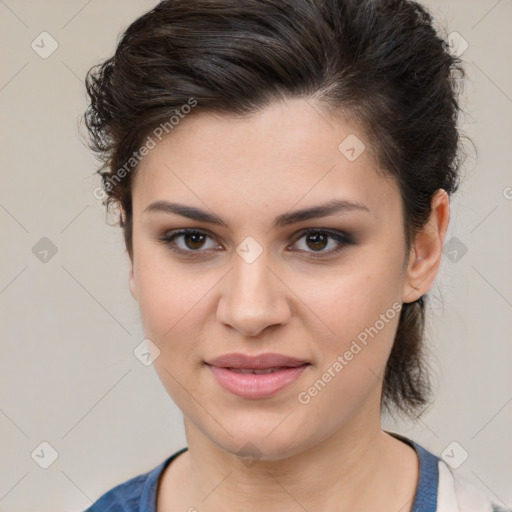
{"points": [[253, 285]]}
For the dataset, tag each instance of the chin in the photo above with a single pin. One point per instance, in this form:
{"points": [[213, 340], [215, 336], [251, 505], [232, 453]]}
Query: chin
{"points": [[256, 444]]}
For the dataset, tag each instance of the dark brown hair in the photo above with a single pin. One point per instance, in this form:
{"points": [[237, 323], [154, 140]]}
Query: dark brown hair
{"points": [[380, 62]]}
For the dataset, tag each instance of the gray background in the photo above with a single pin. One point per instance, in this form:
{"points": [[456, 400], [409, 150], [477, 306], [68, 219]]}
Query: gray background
{"points": [[69, 324]]}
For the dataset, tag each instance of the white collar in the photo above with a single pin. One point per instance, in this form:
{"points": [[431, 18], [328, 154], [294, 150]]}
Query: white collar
{"points": [[456, 494]]}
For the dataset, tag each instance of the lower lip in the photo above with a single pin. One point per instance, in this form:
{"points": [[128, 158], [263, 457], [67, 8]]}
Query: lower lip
{"points": [[252, 385]]}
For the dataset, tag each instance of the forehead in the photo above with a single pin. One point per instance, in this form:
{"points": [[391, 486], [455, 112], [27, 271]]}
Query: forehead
{"points": [[286, 154]]}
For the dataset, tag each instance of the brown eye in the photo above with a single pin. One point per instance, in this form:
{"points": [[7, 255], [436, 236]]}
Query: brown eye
{"points": [[192, 241], [316, 240]]}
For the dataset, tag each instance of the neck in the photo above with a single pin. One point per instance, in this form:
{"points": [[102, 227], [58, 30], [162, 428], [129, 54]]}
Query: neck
{"points": [[359, 468]]}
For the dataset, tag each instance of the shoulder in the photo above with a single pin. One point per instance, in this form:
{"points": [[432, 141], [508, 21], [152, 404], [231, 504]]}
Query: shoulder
{"points": [[440, 490], [457, 493], [138, 494], [124, 497]]}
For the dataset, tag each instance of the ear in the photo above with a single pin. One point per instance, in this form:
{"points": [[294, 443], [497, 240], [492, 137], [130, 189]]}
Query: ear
{"points": [[132, 283], [425, 254]]}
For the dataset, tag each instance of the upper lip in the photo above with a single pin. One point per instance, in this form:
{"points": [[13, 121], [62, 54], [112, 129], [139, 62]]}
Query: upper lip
{"points": [[257, 362]]}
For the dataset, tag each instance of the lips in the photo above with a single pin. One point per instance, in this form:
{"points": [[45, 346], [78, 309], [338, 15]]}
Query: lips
{"points": [[256, 372], [256, 376], [260, 362]]}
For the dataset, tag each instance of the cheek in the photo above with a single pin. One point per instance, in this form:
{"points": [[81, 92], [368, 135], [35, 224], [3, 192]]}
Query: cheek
{"points": [[174, 306], [172, 312], [349, 377], [355, 298], [167, 293], [362, 310]]}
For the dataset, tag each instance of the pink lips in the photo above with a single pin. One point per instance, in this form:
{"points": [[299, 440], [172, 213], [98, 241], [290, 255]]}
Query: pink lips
{"points": [[256, 376]]}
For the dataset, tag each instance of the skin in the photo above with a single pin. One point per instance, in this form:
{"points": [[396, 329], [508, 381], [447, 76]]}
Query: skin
{"points": [[248, 171]]}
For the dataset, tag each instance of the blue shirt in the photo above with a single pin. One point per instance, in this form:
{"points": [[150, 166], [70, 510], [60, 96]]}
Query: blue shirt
{"points": [[139, 493]]}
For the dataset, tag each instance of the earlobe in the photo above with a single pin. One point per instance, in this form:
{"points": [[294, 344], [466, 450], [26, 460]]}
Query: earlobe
{"points": [[425, 254]]}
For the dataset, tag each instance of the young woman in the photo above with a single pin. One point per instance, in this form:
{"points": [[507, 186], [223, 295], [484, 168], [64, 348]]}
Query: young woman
{"points": [[283, 170]]}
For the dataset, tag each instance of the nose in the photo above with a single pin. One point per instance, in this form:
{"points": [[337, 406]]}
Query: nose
{"points": [[253, 298]]}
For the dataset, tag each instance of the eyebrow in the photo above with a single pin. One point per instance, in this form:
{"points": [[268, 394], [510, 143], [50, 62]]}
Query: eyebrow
{"points": [[285, 219]]}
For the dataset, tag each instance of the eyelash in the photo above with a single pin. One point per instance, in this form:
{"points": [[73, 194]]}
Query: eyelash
{"points": [[341, 237]]}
